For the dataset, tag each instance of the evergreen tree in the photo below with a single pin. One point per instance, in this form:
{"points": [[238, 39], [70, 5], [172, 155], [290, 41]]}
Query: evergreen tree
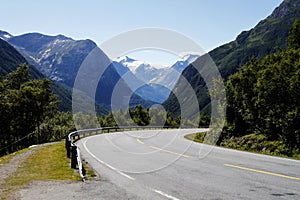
{"points": [[294, 36], [24, 104]]}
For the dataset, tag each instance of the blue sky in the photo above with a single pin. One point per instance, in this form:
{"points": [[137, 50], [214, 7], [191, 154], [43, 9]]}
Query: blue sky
{"points": [[210, 23]]}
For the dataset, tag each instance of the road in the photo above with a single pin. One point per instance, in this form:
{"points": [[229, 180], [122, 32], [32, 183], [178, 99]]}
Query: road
{"points": [[162, 164]]}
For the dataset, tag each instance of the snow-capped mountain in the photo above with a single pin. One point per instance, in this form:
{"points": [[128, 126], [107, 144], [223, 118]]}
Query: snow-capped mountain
{"points": [[60, 57], [57, 57], [160, 80], [171, 75], [182, 63], [142, 70], [5, 35], [146, 90]]}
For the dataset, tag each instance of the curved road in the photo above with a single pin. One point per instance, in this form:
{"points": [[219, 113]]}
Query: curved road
{"points": [[161, 164]]}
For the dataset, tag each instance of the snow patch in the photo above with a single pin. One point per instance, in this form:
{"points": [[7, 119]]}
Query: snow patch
{"points": [[7, 36]]}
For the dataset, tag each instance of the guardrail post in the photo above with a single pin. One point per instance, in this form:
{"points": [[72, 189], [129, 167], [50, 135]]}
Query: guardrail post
{"points": [[74, 157], [68, 147]]}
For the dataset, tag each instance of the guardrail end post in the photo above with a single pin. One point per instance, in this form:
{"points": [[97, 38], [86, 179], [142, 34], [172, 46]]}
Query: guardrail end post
{"points": [[74, 157], [68, 147]]}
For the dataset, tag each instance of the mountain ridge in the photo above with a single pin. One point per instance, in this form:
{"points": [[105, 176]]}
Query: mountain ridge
{"points": [[157, 82], [269, 34], [59, 58]]}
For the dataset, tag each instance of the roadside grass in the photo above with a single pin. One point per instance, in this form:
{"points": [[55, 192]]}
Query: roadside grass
{"points": [[48, 163], [90, 173], [252, 143], [196, 137], [6, 158]]}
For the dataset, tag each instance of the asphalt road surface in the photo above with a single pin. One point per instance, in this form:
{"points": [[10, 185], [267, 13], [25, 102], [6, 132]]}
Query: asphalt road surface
{"points": [[162, 164]]}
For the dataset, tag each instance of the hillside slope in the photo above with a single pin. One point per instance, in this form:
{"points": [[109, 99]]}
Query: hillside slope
{"points": [[263, 39], [59, 58], [10, 59]]}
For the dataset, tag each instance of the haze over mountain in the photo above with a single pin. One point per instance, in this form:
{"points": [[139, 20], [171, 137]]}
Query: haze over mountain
{"points": [[265, 38], [153, 83]]}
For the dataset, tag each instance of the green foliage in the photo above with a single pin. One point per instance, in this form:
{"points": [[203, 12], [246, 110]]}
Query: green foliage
{"points": [[259, 143], [24, 104], [204, 120], [85, 121], [263, 97], [109, 120], [57, 127], [196, 137], [155, 116], [294, 39], [200, 136], [140, 116]]}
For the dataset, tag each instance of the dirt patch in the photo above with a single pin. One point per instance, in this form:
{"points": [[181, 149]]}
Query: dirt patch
{"points": [[67, 190]]}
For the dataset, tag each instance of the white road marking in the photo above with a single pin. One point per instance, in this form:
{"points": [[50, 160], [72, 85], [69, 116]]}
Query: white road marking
{"points": [[164, 194], [104, 163]]}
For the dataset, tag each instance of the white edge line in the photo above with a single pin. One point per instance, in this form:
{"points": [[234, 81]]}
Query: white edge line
{"points": [[104, 163], [164, 194]]}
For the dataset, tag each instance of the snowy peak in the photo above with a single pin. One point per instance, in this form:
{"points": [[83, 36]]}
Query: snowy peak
{"points": [[190, 57], [132, 64], [124, 59], [185, 60], [5, 35], [158, 81], [150, 74], [57, 57]]}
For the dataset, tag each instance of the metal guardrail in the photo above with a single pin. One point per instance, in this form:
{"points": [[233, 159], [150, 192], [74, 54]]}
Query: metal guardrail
{"points": [[73, 151]]}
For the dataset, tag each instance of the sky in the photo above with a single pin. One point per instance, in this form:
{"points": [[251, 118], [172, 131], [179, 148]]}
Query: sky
{"points": [[210, 23]]}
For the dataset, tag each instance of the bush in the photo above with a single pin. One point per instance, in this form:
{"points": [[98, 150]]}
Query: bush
{"points": [[260, 143]]}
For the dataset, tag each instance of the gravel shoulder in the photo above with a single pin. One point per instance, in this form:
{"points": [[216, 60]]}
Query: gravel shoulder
{"points": [[67, 190]]}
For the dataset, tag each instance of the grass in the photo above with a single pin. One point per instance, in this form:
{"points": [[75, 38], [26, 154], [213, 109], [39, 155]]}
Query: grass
{"points": [[196, 137], [258, 143], [5, 159], [252, 143], [48, 163]]}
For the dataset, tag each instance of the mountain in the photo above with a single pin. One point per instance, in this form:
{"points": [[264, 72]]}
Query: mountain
{"points": [[144, 90], [154, 84], [10, 59], [5, 35], [265, 38], [172, 74], [182, 63], [59, 58]]}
